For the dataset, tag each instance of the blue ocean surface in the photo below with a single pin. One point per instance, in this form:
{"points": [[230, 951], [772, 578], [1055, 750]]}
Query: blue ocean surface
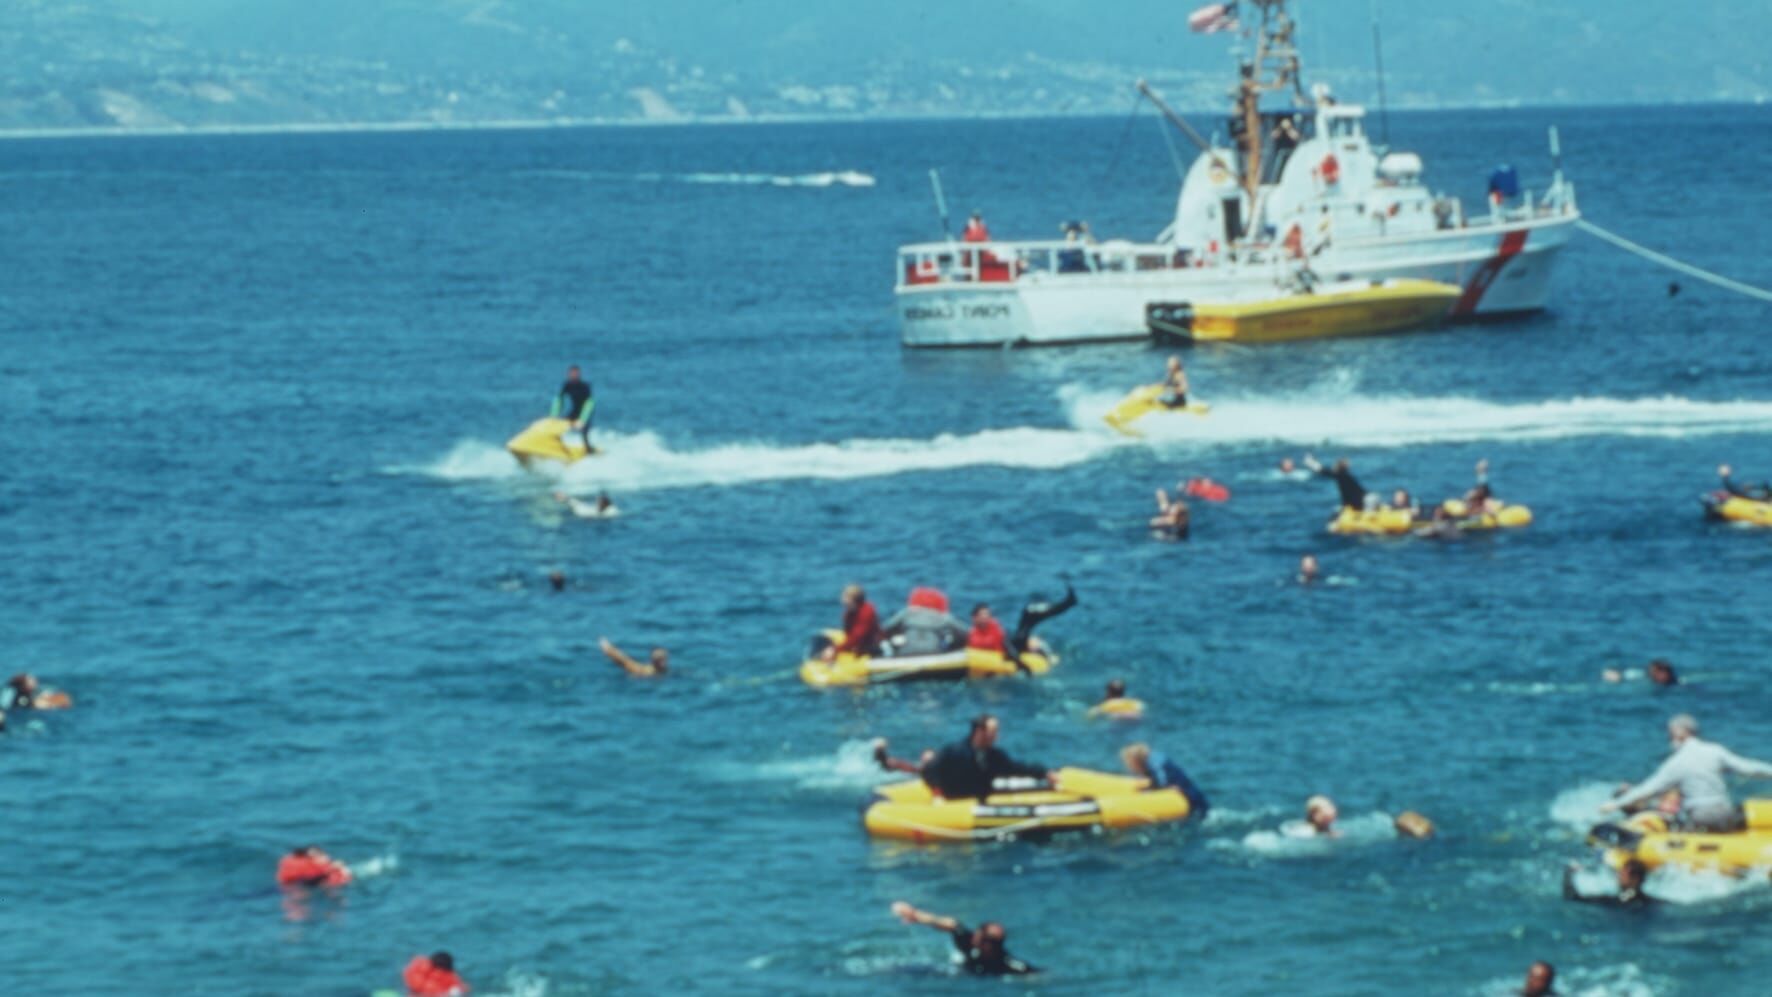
{"points": [[257, 519]]}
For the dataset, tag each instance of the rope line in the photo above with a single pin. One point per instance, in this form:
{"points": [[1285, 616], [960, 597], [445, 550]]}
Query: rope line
{"points": [[1672, 264]]}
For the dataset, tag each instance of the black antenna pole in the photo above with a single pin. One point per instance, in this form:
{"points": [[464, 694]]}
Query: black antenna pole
{"points": [[1384, 118]]}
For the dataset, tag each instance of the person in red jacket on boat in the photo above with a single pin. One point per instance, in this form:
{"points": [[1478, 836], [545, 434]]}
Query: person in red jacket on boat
{"points": [[975, 229], [433, 976], [309, 866]]}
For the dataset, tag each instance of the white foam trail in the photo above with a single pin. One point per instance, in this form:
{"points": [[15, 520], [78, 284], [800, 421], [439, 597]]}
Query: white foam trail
{"points": [[643, 461], [1339, 417], [852, 767], [380, 865], [831, 178], [1676, 885], [1358, 831]]}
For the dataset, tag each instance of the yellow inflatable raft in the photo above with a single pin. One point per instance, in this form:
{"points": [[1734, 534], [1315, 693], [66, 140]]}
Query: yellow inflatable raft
{"points": [[1079, 799], [1119, 708], [1647, 838], [856, 669], [1143, 401], [1735, 509], [1386, 521], [548, 439]]}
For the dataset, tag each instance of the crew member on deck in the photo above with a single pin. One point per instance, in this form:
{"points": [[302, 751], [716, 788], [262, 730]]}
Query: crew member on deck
{"points": [[975, 229]]}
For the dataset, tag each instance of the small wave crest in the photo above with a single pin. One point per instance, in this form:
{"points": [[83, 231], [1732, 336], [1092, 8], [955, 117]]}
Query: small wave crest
{"points": [[826, 178], [643, 461], [1366, 829], [1338, 415], [852, 767], [1578, 809]]}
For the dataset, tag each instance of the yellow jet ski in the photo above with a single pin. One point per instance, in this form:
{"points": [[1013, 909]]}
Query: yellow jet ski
{"points": [[1078, 800], [1143, 401], [1732, 508], [1649, 839], [859, 669], [549, 439], [1387, 521]]}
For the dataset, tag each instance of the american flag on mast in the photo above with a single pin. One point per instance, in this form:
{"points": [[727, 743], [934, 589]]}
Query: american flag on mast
{"points": [[1213, 17]]}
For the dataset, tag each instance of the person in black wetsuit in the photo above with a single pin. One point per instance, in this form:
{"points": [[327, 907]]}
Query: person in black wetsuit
{"points": [[1761, 492], [1353, 494], [983, 950], [1032, 615], [1630, 895], [966, 770], [574, 404]]}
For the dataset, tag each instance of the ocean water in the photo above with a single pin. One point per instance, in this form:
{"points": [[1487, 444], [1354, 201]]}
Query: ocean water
{"points": [[256, 519]]}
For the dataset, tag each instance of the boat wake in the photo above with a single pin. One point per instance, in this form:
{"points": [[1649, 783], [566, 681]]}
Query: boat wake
{"points": [[1394, 421], [643, 461], [830, 178], [1365, 829]]}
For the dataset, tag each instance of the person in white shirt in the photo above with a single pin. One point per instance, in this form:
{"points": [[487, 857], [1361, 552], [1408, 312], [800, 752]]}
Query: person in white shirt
{"points": [[1697, 769]]}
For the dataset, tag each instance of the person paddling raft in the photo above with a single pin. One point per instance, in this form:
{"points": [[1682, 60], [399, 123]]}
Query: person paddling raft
{"points": [[982, 952], [574, 404]]}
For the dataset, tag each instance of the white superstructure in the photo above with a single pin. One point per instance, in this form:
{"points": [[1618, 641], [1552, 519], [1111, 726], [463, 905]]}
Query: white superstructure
{"points": [[1302, 187]]}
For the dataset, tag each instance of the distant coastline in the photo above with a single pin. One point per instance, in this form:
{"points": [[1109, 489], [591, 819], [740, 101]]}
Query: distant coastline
{"points": [[542, 124]]}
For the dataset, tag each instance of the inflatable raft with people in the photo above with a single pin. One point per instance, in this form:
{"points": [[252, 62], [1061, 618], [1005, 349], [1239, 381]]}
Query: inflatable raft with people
{"points": [[1648, 837], [1076, 800], [1453, 515], [1728, 508], [848, 669]]}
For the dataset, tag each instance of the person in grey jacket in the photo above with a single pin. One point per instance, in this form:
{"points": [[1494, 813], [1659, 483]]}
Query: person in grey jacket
{"points": [[1697, 769]]}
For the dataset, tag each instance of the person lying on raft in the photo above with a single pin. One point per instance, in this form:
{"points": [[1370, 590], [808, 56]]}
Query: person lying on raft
{"points": [[1698, 769], [1761, 492], [923, 626], [1173, 385], [1659, 672], [983, 950], [1141, 761], [309, 866], [891, 764], [23, 692], [1171, 520], [1630, 895], [654, 667], [1115, 704], [1353, 494], [969, 769]]}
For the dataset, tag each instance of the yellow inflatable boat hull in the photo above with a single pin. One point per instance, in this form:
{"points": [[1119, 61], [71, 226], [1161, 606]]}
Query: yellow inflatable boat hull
{"points": [[1385, 521], [548, 439], [1389, 306], [1735, 509], [1647, 838], [855, 669], [1143, 401], [1079, 800], [1123, 708]]}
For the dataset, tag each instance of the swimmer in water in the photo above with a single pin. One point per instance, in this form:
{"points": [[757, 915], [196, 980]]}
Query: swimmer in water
{"points": [[1629, 896], [1115, 703], [1659, 672], [654, 667], [23, 692], [1319, 820], [1541, 980], [309, 866], [557, 579], [1308, 572], [1171, 520], [603, 508], [433, 976], [982, 951]]}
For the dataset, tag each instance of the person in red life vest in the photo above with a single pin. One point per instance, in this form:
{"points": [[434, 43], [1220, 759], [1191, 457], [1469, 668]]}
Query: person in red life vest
{"points": [[861, 624], [975, 230], [987, 634], [433, 976], [22, 692], [309, 866]]}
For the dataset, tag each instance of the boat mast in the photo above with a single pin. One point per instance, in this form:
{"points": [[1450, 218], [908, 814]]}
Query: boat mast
{"points": [[1273, 67]]}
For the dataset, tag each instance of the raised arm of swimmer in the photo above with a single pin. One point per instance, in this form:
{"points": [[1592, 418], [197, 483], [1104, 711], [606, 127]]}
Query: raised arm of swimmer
{"points": [[911, 915], [653, 668]]}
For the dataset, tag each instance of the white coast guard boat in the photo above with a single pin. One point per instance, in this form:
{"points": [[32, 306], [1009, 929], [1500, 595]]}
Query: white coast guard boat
{"points": [[1301, 186]]}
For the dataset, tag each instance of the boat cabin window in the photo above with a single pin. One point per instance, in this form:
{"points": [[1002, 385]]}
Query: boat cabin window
{"points": [[1344, 127]]}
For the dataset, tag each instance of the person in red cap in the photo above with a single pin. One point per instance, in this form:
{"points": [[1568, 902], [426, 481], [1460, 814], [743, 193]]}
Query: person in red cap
{"points": [[433, 976], [309, 866]]}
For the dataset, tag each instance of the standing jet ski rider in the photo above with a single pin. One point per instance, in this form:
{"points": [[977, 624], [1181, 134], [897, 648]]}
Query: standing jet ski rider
{"points": [[574, 404]]}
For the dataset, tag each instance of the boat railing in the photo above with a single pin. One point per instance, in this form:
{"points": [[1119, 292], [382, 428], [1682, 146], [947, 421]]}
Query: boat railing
{"points": [[1008, 262]]}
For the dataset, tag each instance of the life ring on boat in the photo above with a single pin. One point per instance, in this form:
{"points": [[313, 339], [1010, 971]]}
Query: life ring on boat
{"points": [[1330, 170]]}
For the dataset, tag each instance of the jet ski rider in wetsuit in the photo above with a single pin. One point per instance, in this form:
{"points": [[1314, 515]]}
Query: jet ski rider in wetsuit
{"points": [[1353, 494], [574, 404]]}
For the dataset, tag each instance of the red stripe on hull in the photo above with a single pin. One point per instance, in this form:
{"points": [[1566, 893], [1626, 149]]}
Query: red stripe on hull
{"points": [[1511, 244]]}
